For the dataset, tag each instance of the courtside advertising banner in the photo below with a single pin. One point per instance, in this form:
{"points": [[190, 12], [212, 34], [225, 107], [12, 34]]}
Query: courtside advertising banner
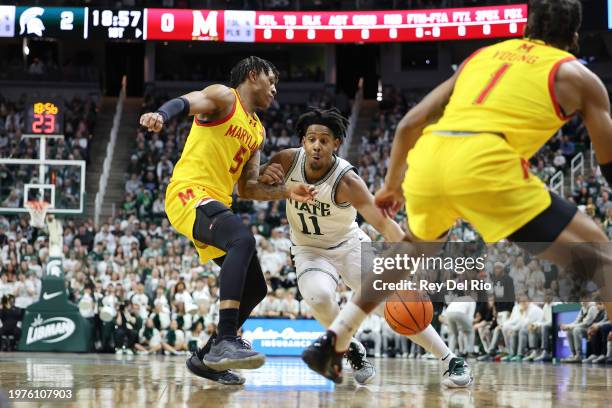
{"points": [[281, 337]]}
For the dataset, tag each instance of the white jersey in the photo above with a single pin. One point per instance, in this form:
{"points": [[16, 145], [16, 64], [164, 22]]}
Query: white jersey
{"points": [[326, 224]]}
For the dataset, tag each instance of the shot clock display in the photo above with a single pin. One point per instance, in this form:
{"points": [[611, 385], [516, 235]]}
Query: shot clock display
{"points": [[116, 24], [45, 117]]}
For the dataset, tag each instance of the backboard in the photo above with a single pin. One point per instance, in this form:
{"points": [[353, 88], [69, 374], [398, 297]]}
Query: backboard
{"points": [[58, 182]]}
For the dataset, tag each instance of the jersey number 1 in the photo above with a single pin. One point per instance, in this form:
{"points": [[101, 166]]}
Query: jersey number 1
{"points": [[497, 76], [315, 225]]}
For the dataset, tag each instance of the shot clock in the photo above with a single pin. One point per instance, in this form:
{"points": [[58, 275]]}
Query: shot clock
{"points": [[45, 117]]}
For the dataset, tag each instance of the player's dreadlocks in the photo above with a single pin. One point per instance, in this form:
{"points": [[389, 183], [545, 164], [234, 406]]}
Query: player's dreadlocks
{"points": [[554, 21], [332, 118], [242, 69]]}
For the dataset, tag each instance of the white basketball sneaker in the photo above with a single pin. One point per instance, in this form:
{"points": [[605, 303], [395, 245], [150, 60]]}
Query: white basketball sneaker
{"points": [[458, 375]]}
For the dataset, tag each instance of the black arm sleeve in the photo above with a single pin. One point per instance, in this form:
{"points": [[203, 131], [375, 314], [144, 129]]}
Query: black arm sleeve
{"points": [[173, 108]]}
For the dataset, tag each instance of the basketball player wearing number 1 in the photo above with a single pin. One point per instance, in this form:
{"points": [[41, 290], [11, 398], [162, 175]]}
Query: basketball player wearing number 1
{"points": [[222, 150], [462, 153]]}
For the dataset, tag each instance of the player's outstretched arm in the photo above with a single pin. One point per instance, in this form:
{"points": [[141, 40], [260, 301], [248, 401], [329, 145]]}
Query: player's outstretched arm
{"points": [[352, 189], [214, 101], [428, 111], [250, 188]]}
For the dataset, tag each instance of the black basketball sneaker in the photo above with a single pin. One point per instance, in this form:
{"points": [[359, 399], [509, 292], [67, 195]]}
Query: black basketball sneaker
{"points": [[322, 357], [196, 366]]}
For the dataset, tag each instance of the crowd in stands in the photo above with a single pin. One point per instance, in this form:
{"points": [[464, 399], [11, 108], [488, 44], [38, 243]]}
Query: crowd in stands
{"points": [[142, 287]]}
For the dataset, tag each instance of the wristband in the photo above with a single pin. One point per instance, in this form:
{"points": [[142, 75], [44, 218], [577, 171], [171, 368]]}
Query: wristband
{"points": [[173, 108]]}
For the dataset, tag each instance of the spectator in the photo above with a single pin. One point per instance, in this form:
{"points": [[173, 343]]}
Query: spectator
{"points": [[559, 161], [173, 340], [519, 273], [577, 330], [290, 307], [484, 322], [133, 185], [515, 329], [459, 317], [149, 339], [597, 334], [201, 294], [13, 200], [127, 240], [270, 306], [10, 317], [198, 337], [540, 331], [127, 326]]}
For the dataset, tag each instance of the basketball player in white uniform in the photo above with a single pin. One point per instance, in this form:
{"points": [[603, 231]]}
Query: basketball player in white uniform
{"points": [[326, 238]]}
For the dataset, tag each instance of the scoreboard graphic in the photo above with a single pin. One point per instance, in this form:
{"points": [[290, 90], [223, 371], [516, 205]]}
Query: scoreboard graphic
{"points": [[264, 26]]}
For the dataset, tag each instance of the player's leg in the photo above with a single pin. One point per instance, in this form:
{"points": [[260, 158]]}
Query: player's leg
{"points": [[317, 281], [216, 225], [256, 283]]}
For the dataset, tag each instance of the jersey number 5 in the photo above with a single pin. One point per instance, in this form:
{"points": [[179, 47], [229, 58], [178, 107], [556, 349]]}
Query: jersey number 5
{"points": [[497, 76], [238, 159]]}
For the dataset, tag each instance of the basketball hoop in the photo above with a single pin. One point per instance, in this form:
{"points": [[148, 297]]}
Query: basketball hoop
{"points": [[37, 211]]}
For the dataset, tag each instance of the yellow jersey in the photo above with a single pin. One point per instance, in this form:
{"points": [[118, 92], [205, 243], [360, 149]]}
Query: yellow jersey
{"points": [[508, 89], [215, 153]]}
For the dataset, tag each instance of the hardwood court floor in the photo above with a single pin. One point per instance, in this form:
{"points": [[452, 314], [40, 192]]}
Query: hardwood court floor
{"points": [[160, 381]]}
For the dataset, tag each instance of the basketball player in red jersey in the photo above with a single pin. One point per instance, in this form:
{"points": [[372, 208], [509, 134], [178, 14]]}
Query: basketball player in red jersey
{"points": [[221, 151], [462, 153]]}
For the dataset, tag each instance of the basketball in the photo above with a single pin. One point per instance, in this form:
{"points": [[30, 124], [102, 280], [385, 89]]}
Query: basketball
{"points": [[408, 313]]}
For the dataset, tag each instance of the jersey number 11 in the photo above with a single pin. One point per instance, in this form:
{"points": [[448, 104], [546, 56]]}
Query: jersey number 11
{"points": [[315, 224]]}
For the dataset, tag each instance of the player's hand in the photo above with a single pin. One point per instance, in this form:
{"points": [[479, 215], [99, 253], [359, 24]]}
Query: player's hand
{"points": [[273, 174], [153, 121], [389, 201], [304, 193]]}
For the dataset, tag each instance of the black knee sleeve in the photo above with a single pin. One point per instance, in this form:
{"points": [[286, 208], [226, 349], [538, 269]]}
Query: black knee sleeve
{"points": [[216, 225]]}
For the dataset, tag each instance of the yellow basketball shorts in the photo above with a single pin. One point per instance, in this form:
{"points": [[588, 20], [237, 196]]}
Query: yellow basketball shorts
{"points": [[476, 177], [181, 204]]}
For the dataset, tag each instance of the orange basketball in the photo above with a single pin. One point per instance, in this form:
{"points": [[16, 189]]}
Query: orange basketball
{"points": [[408, 312]]}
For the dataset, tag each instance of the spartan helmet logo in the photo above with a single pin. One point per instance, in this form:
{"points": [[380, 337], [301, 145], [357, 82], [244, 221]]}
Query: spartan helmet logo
{"points": [[54, 268], [30, 23]]}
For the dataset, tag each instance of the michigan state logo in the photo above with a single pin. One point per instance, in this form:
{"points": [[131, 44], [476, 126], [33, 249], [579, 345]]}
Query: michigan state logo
{"points": [[54, 268]]}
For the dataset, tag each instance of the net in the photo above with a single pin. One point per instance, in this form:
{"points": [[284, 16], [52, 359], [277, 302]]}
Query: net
{"points": [[37, 211]]}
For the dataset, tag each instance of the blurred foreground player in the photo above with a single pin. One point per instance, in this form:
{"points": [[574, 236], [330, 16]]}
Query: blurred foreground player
{"points": [[222, 150], [466, 147], [327, 242]]}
